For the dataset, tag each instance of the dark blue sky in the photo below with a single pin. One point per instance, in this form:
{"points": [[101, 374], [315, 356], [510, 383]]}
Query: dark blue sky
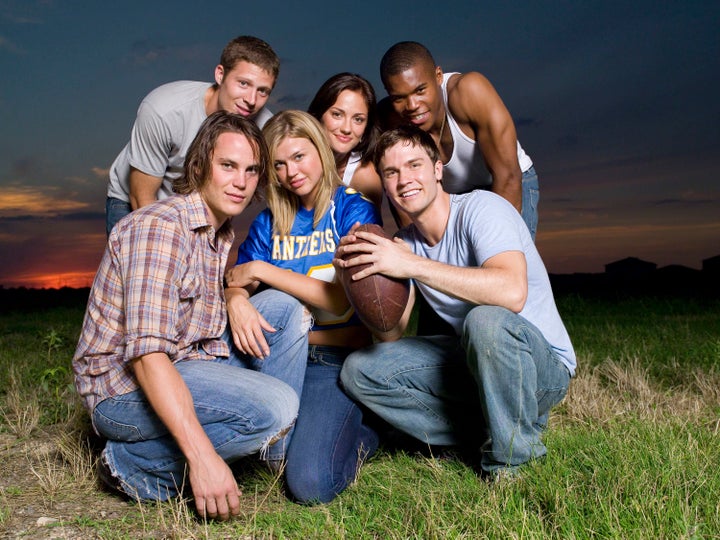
{"points": [[616, 103]]}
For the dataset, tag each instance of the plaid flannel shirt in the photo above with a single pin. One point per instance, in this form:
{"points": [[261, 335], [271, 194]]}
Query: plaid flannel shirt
{"points": [[159, 288]]}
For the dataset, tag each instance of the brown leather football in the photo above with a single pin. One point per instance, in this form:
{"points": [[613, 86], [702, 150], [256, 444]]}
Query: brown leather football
{"points": [[378, 300]]}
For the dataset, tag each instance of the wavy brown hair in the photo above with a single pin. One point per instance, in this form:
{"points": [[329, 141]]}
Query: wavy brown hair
{"points": [[198, 161]]}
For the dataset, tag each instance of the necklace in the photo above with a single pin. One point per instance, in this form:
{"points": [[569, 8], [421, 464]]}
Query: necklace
{"points": [[442, 127]]}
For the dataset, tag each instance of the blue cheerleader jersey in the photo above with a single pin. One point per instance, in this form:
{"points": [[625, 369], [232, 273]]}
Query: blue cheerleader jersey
{"points": [[309, 250]]}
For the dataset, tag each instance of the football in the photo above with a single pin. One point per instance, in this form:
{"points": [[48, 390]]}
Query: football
{"points": [[378, 300]]}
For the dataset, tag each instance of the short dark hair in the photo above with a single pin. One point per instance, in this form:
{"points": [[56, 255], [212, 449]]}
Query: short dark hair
{"points": [[402, 56], [407, 135], [253, 50], [198, 161], [327, 95]]}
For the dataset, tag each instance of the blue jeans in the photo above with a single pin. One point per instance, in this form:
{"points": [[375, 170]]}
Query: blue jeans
{"points": [[530, 199], [240, 401], [491, 388], [115, 210], [239, 409], [330, 440], [288, 349]]}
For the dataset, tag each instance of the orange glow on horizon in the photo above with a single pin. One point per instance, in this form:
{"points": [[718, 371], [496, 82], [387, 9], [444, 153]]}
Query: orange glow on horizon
{"points": [[73, 280], [71, 258]]}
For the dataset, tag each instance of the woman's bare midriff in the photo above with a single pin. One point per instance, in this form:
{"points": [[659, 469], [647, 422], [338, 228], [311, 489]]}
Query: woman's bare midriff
{"points": [[354, 337]]}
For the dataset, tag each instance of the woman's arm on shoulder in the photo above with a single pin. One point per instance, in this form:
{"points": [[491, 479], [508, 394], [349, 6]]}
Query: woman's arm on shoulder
{"points": [[366, 181]]}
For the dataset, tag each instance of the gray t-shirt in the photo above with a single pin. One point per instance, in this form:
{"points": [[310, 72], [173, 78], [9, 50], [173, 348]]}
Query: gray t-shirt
{"points": [[481, 225], [167, 121]]}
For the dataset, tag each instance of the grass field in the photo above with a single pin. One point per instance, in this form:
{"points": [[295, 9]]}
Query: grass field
{"points": [[634, 450]]}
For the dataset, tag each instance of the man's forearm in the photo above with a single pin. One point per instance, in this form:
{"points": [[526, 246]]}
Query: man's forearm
{"points": [[509, 187], [143, 188], [170, 398], [500, 282], [213, 485]]}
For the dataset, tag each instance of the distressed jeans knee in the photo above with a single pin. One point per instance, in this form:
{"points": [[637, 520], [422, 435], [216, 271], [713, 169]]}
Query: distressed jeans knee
{"points": [[519, 379], [240, 410]]}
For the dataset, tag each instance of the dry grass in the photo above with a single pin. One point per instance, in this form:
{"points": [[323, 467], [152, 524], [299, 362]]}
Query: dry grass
{"points": [[21, 412], [620, 425], [610, 390], [60, 468]]}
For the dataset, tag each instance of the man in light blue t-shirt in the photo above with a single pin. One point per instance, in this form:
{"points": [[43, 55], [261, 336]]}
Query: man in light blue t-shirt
{"points": [[491, 385], [170, 116]]}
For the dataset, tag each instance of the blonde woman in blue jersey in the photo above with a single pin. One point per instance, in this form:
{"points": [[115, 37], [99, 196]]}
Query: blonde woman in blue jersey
{"points": [[289, 249]]}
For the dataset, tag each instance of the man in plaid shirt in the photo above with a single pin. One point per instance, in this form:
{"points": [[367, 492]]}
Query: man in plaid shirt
{"points": [[152, 367]]}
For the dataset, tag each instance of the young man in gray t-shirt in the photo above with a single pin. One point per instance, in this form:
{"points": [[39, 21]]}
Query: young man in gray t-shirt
{"points": [[491, 385], [170, 116]]}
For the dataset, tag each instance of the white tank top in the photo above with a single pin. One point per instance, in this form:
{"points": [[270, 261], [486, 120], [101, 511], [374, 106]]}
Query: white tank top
{"points": [[351, 167], [466, 169]]}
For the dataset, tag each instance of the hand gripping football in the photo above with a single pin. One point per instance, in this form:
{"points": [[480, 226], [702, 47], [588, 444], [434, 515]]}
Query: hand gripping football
{"points": [[378, 300]]}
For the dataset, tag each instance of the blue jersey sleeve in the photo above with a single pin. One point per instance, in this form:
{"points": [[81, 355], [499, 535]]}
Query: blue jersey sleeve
{"points": [[355, 209], [257, 244]]}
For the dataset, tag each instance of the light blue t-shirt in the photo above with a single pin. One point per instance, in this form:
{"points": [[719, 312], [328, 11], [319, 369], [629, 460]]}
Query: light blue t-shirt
{"points": [[481, 225]]}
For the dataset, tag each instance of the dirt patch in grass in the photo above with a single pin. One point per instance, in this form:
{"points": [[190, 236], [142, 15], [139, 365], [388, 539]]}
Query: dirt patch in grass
{"points": [[49, 489]]}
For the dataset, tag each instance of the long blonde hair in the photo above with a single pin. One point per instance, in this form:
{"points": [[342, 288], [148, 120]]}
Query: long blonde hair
{"points": [[282, 203]]}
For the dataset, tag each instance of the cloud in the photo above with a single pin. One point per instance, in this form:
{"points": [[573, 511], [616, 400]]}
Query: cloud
{"points": [[588, 248], [682, 202], [10, 15], [100, 172], [19, 201], [24, 167], [78, 180], [688, 198], [84, 216], [146, 52], [72, 216], [23, 217], [563, 200], [54, 255], [9, 46], [617, 231], [51, 280]]}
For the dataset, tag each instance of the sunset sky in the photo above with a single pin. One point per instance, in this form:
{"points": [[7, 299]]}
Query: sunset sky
{"points": [[616, 102]]}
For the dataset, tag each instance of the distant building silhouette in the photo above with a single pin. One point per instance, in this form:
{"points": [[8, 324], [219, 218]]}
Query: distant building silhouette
{"points": [[711, 265], [678, 271], [630, 267], [634, 277]]}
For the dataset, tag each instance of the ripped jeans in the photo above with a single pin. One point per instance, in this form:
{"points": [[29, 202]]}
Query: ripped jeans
{"points": [[239, 409]]}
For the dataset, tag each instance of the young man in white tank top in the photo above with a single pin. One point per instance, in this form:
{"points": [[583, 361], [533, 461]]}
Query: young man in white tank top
{"points": [[468, 121]]}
